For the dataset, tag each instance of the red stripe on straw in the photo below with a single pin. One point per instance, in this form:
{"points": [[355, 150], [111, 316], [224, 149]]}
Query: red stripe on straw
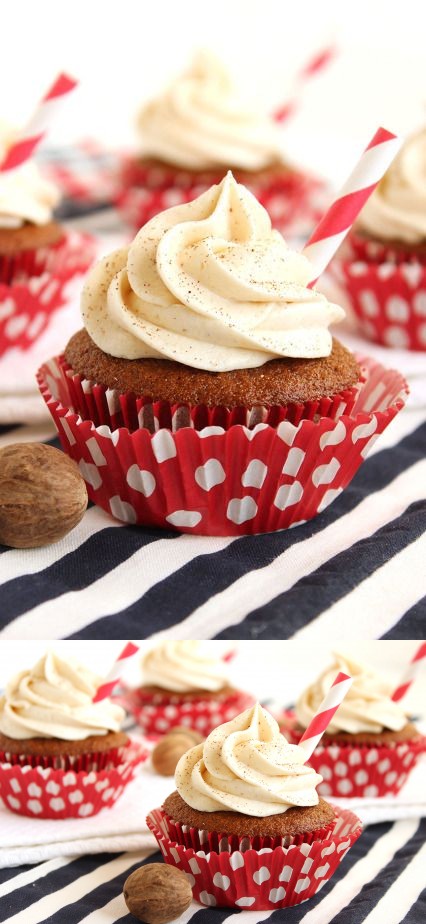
{"points": [[318, 62], [104, 691], [331, 702], [62, 85], [340, 214], [310, 69], [319, 723], [114, 675], [382, 134], [128, 651], [410, 674], [20, 152]]}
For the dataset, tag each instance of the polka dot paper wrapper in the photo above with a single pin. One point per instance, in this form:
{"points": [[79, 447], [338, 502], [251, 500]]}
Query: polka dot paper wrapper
{"points": [[157, 714], [45, 792], [387, 292], [223, 482], [363, 771], [44, 282], [291, 197], [260, 880]]}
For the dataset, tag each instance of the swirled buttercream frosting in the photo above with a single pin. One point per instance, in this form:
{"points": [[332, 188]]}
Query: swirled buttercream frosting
{"points": [[182, 667]]}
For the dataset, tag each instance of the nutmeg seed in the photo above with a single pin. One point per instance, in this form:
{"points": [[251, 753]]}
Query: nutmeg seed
{"points": [[157, 893], [42, 495], [169, 750]]}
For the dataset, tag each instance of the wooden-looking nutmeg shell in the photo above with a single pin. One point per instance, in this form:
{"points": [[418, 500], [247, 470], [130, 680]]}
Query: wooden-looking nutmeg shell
{"points": [[169, 750], [42, 495], [157, 893]]}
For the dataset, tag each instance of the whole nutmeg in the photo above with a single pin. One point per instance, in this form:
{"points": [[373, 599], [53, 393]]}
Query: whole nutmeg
{"points": [[157, 893], [169, 750], [42, 495]]}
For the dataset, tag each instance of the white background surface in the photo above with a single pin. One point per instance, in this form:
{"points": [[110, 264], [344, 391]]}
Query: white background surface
{"points": [[123, 53], [278, 669]]}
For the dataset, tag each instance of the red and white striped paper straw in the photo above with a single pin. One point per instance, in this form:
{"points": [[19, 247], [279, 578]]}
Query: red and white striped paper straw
{"points": [[114, 675], [314, 66], [337, 221], [411, 673], [36, 129], [323, 717]]}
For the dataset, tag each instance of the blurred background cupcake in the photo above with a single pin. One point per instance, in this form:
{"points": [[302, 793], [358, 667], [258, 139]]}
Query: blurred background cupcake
{"points": [[184, 685], [382, 267], [196, 130]]}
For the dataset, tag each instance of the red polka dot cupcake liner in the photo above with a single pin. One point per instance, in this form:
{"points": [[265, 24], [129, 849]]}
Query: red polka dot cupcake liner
{"points": [[387, 292], [46, 792], [290, 198], [212, 840], [158, 714], [217, 481], [365, 771], [40, 283], [264, 879], [100, 760]]}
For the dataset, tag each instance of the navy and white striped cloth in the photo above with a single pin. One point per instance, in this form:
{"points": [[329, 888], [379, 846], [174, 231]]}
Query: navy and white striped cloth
{"points": [[357, 570], [381, 881]]}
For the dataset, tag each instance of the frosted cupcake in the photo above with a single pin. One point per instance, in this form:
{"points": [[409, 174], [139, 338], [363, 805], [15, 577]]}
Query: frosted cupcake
{"points": [[370, 746], [209, 380], [384, 267], [38, 258], [198, 128], [246, 820], [184, 686], [55, 740]]}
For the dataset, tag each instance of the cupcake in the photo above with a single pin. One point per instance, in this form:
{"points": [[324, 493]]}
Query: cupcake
{"points": [[38, 258], [383, 266], [246, 822], [184, 686], [370, 746], [61, 755], [198, 128], [206, 392]]}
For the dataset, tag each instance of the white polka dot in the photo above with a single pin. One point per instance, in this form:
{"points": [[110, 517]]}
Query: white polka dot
{"points": [[261, 875], [14, 784], [245, 901], [325, 789], [276, 895], [344, 787], [13, 802], [408, 759], [57, 805], [328, 850], [90, 474], [7, 307], [96, 451], [324, 474], [210, 431], [285, 874], [397, 308], [287, 495], [210, 474], [52, 788], [340, 768], [364, 430], [370, 792], [34, 806], [255, 474], [419, 303], [396, 337], [36, 325], [321, 871], [307, 865], [412, 273], [286, 432], [85, 810], [328, 498], [372, 756], [189, 518], [384, 765], [75, 797], [236, 860], [390, 778], [15, 326], [386, 270], [34, 790], [334, 436], [141, 480], [357, 268], [325, 772], [163, 445], [207, 899], [361, 777], [369, 303], [302, 884], [354, 758], [122, 510], [293, 461], [241, 509]]}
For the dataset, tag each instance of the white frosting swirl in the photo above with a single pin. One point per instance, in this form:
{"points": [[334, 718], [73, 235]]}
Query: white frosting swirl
{"points": [[211, 285], [24, 195], [200, 122], [183, 667], [54, 700], [397, 208], [247, 766], [367, 707]]}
